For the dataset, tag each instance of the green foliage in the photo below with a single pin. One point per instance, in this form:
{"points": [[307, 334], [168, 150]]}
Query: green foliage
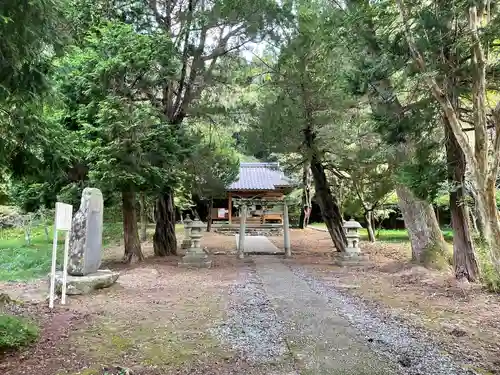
{"points": [[301, 88], [29, 28], [129, 144], [31, 33], [426, 173], [214, 163], [405, 116], [16, 332]]}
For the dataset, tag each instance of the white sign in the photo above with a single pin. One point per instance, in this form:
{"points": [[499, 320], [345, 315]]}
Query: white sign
{"points": [[221, 213], [64, 214], [63, 221]]}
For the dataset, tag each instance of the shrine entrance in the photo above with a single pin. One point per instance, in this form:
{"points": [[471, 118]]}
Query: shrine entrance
{"points": [[260, 244]]}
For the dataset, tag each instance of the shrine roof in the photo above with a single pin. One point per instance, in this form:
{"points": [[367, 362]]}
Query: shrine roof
{"points": [[260, 176]]}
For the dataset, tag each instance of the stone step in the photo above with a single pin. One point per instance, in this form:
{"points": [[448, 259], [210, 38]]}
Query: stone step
{"points": [[259, 231]]}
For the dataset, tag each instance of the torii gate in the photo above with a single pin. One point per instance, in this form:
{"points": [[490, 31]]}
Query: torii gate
{"points": [[243, 203]]}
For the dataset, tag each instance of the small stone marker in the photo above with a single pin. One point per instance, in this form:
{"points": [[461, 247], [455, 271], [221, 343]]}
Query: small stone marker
{"points": [[352, 255], [195, 256], [86, 235]]}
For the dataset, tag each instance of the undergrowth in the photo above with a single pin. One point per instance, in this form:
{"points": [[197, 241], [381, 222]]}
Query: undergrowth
{"points": [[19, 261], [490, 277], [16, 332]]}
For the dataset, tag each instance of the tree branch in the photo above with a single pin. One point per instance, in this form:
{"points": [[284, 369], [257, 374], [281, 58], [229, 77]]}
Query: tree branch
{"points": [[185, 60], [221, 47]]}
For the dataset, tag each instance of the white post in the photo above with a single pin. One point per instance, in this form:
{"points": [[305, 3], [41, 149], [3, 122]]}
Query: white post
{"points": [[63, 221], [241, 242], [65, 268], [53, 270], [286, 231]]}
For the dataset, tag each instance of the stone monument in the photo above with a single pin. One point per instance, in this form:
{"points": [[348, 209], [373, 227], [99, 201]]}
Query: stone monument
{"points": [[86, 235], [195, 256], [85, 248], [352, 255]]}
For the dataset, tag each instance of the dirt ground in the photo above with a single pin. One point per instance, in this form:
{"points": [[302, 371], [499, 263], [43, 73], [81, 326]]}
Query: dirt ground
{"points": [[157, 319]]}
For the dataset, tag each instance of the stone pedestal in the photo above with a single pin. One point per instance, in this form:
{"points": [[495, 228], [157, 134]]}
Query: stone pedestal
{"points": [[186, 241], [346, 259], [195, 256], [86, 284]]}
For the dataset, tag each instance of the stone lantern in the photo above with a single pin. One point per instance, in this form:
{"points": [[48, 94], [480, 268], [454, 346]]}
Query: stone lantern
{"points": [[352, 254], [351, 228], [195, 256], [186, 242]]}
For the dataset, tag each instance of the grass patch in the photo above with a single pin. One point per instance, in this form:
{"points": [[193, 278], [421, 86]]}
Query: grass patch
{"points": [[390, 235], [19, 261], [16, 332]]}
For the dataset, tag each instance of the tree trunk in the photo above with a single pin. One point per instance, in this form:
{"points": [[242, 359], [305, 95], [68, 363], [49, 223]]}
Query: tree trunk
{"points": [[488, 216], [306, 197], [209, 216], [427, 242], [464, 259], [369, 226], [130, 230], [302, 218], [164, 240], [144, 218], [305, 214], [328, 204]]}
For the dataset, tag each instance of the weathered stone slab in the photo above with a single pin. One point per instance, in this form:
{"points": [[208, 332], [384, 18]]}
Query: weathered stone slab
{"points": [[85, 284], [86, 235]]}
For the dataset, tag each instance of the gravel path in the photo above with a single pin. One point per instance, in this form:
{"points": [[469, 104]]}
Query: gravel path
{"points": [[251, 326], [414, 350], [321, 341], [282, 316]]}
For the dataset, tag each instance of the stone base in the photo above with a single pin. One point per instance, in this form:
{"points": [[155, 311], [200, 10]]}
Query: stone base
{"points": [[267, 232], [349, 259], [190, 261], [86, 284]]}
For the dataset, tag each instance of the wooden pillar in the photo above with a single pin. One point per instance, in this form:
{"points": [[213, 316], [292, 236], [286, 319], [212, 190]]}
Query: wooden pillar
{"points": [[286, 231], [229, 205], [241, 242]]}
